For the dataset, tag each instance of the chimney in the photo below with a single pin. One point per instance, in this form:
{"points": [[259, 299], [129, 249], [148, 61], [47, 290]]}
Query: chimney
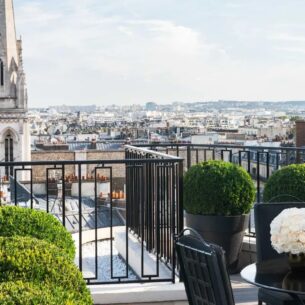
{"points": [[300, 133]]}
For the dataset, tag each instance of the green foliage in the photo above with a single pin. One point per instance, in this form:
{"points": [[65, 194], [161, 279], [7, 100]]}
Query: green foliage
{"points": [[36, 266], [286, 184], [38, 262], [295, 118], [27, 293], [17, 221], [218, 188]]}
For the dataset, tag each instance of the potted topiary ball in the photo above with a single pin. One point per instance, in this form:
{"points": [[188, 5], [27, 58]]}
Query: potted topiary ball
{"points": [[286, 185], [218, 197]]}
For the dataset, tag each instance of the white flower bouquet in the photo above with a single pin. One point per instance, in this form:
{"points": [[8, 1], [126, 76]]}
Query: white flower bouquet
{"points": [[288, 231]]}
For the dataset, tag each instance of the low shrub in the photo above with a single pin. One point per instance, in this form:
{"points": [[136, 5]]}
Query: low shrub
{"points": [[218, 188], [286, 184], [17, 221], [27, 293], [28, 259]]}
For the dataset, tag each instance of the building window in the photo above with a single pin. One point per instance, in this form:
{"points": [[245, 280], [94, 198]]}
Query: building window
{"points": [[9, 154], [1, 73]]}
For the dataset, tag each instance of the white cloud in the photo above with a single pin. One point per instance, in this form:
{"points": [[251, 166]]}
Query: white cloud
{"points": [[93, 51], [287, 37], [297, 50], [79, 45]]}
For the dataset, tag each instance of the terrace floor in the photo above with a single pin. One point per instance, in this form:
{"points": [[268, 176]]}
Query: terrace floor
{"points": [[244, 293]]}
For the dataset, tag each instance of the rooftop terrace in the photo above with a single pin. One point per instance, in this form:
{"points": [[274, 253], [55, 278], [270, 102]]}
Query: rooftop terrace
{"points": [[136, 201]]}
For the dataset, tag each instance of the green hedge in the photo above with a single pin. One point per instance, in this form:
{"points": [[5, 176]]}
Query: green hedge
{"points": [[27, 293], [17, 221], [286, 185], [218, 188], [39, 262]]}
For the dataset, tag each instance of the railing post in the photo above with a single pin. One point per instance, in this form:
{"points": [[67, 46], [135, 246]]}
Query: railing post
{"points": [[277, 161], [180, 199], [258, 178], [188, 157], [268, 164]]}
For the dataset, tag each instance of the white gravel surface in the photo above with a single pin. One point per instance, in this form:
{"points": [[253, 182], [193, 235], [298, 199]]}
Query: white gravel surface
{"points": [[104, 262]]}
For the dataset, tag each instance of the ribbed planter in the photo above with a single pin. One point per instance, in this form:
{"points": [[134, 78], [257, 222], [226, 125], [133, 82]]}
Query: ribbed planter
{"points": [[225, 231]]}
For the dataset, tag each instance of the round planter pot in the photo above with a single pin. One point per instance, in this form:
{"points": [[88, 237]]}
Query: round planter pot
{"points": [[225, 231]]}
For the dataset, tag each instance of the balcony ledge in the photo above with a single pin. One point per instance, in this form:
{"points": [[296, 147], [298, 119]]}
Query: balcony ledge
{"points": [[139, 293]]}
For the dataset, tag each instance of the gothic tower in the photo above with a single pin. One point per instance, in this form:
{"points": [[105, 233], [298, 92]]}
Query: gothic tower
{"points": [[14, 128]]}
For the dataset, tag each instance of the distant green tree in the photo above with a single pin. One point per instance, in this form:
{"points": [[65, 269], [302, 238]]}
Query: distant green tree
{"points": [[295, 118]]}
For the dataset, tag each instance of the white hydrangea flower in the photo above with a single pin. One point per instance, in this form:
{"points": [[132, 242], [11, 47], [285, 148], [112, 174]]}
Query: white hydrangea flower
{"points": [[288, 231]]}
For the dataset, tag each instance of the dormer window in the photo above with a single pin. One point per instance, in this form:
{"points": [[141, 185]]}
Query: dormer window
{"points": [[1, 73]]}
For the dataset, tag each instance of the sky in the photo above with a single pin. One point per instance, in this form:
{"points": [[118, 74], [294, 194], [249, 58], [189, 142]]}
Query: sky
{"points": [[83, 52]]}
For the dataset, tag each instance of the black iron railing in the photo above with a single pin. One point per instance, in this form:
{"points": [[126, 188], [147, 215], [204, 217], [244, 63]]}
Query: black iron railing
{"points": [[137, 199], [136, 202], [155, 201], [259, 161]]}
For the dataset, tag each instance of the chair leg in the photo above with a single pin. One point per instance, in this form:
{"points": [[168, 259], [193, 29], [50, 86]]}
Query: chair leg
{"points": [[260, 302]]}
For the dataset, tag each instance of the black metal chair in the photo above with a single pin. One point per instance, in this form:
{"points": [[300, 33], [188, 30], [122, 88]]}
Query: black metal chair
{"points": [[203, 270], [264, 213]]}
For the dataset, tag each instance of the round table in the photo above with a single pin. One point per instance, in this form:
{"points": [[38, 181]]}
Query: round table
{"points": [[276, 275]]}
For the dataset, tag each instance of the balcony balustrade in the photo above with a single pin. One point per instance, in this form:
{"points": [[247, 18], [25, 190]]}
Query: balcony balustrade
{"points": [[259, 161], [135, 201]]}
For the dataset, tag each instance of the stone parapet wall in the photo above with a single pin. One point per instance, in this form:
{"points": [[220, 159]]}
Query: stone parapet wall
{"points": [[39, 172], [118, 170]]}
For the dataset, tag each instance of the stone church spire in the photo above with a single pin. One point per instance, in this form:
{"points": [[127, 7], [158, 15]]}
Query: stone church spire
{"points": [[13, 94], [14, 126]]}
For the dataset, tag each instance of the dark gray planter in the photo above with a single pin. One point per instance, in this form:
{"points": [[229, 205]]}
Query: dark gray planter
{"points": [[225, 231]]}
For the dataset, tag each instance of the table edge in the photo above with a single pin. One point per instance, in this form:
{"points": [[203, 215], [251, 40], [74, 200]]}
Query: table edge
{"points": [[269, 287]]}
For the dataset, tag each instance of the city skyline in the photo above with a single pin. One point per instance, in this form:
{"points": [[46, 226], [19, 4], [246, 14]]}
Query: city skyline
{"points": [[131, 52]]}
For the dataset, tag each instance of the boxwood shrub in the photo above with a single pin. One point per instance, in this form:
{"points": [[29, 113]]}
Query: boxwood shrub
{"points": [[17, 221], [28, 259], [286, 184], [27, 293], [218, 188]]}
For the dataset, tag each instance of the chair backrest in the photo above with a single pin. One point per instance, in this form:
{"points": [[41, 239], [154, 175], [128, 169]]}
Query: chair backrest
{"points": [[264, 213], [203, 270]]}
